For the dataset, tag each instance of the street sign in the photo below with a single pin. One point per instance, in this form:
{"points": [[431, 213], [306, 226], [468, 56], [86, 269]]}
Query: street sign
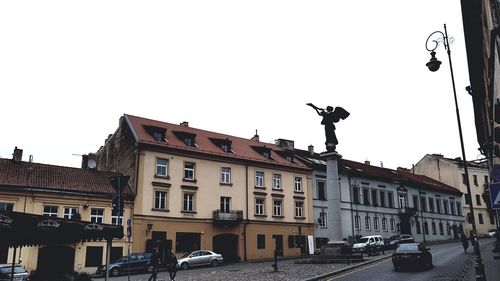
{"points": [[495, 195], [119, 182]]}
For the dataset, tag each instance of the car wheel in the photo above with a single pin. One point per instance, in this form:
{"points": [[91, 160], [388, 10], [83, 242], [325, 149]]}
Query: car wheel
{"points": [[214, 263], [115, 271], [184, 265]]}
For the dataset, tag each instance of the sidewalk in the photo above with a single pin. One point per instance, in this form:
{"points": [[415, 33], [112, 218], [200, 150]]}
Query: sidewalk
{"points": [[491, 266]]}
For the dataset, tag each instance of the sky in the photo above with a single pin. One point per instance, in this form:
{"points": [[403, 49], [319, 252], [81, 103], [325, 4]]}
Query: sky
{"points": [[70, 69]]}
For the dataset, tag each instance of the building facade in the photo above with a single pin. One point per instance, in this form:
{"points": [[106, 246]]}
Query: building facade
{"points": [[62, 192], [197, 189], [451, 172]]}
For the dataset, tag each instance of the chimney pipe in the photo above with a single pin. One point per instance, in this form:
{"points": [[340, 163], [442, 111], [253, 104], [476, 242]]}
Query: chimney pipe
{"points": [[256, 137], [310, 148], [367, 162], [17, 155], [185, 124]]}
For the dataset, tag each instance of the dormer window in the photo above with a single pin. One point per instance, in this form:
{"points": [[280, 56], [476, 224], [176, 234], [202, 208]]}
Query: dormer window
{"points": [[224, 144], [287, 155], [157, 133], [264, 151], [187, 138], [158, 136]]}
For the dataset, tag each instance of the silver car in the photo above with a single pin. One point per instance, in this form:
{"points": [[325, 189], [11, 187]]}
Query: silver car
{"points": [[20, 274], [199, 258]]}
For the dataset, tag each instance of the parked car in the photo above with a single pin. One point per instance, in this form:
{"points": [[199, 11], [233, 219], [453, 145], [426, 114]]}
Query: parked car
{"points": [[411, 255], [139, 262], [199, 258], [491, 233], [368, 241], [20, 274]]}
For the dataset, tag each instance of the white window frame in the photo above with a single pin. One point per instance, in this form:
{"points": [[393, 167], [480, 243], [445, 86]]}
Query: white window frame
{"points": [[225, 175], [225, 204], [188, 202], [114, 218], [4, 206], [48, 211], [160, 199], [298, 184], [277, 207], [322, 219], [97, 215], [69, 212], [299, 209], [276, 181], [376, 224], [189, 172], [393, 225], [367, 223], [357, 222], [259, 179], [259, 206], [161, 169], [384, 224]]}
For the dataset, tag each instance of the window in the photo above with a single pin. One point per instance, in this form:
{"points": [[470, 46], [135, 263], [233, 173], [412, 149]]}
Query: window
{"points": [[415, 201], [384, 224], [431, 205], [390, 199], [423, 203], [298, 184], [187, 242], [376, 223], [277, 208], [448, 229], [452, 207], [357, 223], [261, 241], [367, 223], [492, 217], [161, 167], [438, 205], [321, 190], [393, 225], [474, 179], [322, 219], [188, 205], [486, 180], [69, 212], [426, 228], [433, 225], [374, 197], [355, 195], [402, 201], [445, 206], [417, 226], [97, 215], [366, 196], [463, 178], [276, 181], [480, 217], [160, 200], [467, 199], [225, 203], [441, 229], [459, 208], [6, 206], [382, 198], [49, 211], [225, 175], [259, 179], [259, 206], [299, 209], [189, 171], [478, 199], [93, 256], [115, 219]]}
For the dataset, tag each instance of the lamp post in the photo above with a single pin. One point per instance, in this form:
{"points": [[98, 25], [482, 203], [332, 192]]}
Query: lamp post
{"points": [[433, 66]]}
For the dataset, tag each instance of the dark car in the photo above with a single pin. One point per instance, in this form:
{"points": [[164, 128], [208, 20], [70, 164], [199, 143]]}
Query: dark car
{"points": [[139, 262], [411, 255], [20, 274], [394, 241]]}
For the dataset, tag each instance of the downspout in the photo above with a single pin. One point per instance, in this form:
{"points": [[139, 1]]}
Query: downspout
{"points": [[351, 199], [246, 221]]}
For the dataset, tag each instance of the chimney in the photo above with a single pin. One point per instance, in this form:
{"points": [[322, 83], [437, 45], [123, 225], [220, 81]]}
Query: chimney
{"points": [[285, 144], [89, 161], [310, 148], [381, 164], [185, 124], [256, 137], [367, 162], [17, 156]]}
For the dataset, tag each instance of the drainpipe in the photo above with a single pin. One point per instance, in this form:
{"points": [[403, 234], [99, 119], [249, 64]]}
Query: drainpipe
{"points": [[246, 221], [351, 199]]}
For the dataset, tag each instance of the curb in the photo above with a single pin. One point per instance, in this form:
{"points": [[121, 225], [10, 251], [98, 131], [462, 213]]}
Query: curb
{"points": [[323, 276]]}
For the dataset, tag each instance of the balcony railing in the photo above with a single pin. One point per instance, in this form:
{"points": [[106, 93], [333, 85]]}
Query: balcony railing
{"points": [[230, 218]]}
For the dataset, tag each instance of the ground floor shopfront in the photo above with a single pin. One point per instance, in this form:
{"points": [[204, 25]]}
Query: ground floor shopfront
{"points": [[245, 240]]}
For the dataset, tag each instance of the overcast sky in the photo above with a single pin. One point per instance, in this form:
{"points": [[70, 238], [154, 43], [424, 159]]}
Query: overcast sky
{"points": [[70, 69]]}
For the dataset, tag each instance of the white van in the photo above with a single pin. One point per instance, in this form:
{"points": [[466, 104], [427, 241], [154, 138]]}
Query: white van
{"points": [[368, 240]]}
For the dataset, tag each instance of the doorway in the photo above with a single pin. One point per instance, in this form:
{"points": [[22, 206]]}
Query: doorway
{"points": [[226, 245], [55, 260]]}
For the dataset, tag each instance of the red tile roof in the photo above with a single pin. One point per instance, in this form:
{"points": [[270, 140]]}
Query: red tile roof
{"points": [[49, 177], [241, 148]]}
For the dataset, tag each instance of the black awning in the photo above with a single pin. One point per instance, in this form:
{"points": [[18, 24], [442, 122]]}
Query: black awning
{"points": [[22, 229]]}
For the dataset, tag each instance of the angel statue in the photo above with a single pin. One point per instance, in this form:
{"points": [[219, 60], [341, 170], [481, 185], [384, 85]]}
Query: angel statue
{"points": [[330, 116]]}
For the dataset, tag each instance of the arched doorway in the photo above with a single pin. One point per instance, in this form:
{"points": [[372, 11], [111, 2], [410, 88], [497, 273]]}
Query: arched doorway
{"points": [[227, 245], [55, 260]]}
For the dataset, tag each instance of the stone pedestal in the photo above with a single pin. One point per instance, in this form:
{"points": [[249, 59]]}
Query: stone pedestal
{"points": [[333, 194]]}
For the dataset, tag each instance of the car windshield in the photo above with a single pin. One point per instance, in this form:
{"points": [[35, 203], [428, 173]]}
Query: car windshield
{"points": [[407, 247], [363, 240], [7, 270], [185, 255]]}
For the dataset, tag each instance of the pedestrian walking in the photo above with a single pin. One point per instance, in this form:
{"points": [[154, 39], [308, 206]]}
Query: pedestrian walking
{"points": [[465, 243], [154, 262], [172, 266]]}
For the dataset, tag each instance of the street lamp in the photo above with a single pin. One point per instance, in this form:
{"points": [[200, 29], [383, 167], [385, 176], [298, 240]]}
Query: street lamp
{"points": [[433, 66]]}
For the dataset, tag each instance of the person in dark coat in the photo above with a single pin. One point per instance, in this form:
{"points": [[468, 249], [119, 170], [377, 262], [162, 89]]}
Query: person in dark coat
{"points": [[154, 262], [172, 266], [465, 243]]}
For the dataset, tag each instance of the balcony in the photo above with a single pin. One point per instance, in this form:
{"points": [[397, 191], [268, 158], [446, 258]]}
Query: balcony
{"points": [[231, 218]]}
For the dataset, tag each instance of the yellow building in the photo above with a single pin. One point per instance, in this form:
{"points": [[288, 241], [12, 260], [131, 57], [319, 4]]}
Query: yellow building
{"points": [[197, 189], [62, 192]]}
